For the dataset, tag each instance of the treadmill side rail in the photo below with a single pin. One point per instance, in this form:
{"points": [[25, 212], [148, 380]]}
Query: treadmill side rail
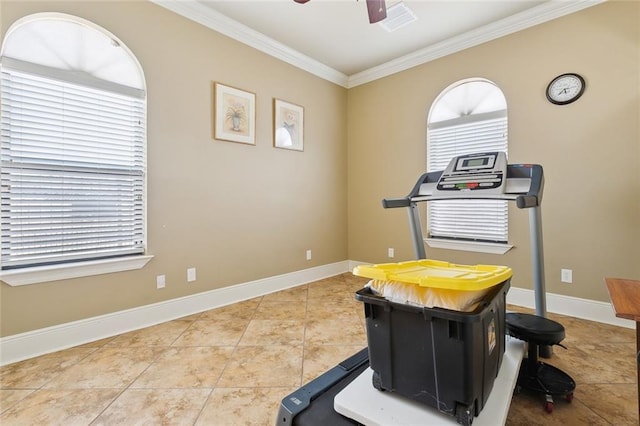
{"points": [[298, 401]]}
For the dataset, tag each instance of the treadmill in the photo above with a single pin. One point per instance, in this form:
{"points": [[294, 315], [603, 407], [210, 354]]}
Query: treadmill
{"points": [[472, 176]]}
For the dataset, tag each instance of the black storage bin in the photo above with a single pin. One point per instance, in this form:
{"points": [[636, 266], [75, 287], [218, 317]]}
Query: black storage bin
{"points": [[443, 358]]}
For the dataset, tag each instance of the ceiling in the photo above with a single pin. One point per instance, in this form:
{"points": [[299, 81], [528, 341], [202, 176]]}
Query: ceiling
{"points": [[334, 40]]}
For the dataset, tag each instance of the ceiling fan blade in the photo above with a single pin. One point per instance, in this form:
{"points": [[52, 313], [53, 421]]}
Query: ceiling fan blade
{"points": [[377, 10]]}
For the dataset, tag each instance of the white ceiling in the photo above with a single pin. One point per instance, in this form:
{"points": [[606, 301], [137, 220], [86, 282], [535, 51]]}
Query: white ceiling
{"points": [[334, 40]]}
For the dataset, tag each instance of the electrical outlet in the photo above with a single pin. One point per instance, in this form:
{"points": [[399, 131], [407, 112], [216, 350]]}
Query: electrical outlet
{"points": [[308, 254], [160, 281], [391, 252], [566, 276], [191, 274]]}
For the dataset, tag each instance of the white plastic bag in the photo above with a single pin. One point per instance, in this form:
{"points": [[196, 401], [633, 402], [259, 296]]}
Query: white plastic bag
{"points": [[416, 295]]}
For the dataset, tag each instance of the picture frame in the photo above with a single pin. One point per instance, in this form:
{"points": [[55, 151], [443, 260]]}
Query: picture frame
{"points": [[288, 125], [234, 114]]}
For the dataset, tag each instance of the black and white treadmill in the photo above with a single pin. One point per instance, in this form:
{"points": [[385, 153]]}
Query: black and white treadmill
{"points": [[474, 176]]}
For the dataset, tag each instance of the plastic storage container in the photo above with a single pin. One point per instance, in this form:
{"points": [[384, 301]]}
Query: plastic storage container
{"points": [[443, 358]]}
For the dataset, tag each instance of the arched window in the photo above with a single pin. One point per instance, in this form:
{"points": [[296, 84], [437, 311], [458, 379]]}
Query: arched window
{"points": [[469, 116], [73, 144]]}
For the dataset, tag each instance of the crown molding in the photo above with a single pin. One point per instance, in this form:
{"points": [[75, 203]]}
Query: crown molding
{"points": [[518, 22], [194, 10]]}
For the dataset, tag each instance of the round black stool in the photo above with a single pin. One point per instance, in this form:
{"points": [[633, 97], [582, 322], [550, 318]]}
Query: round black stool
{"points": [[536, 375]]}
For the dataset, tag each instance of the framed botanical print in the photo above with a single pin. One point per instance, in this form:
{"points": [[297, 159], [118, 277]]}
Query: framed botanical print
{"points": [[234, 114], [288, 125]]}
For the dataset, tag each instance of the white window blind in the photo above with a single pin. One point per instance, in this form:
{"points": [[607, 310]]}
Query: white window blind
{"points": [[479, 220], [73, 172]]}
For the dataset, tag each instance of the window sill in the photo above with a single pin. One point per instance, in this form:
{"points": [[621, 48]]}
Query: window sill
{"points": [[475, 246], [43, 274]]}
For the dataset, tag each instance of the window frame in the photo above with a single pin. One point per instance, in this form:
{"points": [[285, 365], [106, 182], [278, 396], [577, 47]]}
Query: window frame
{"points": [[495, 121], [31, 274]]}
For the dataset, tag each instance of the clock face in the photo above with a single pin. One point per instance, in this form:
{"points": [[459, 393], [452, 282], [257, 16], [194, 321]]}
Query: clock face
{"points": [[565, 89]]}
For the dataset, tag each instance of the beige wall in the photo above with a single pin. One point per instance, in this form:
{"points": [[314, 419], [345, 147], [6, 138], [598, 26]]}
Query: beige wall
{"points": [[235, 212], [590, 150]]}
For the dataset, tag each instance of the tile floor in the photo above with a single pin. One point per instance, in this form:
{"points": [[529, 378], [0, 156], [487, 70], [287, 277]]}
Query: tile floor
{"points": [[233, 365]]}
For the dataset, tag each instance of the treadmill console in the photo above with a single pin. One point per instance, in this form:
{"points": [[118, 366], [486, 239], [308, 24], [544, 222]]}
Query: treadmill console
{"points": [[485, 172]]}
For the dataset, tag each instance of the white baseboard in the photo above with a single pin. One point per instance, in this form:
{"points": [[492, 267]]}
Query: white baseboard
{"points": [[46, 340], [591, 310], [50, 339]]}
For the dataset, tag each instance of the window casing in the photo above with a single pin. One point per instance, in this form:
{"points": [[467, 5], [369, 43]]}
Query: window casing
{"points": [[73, 167], [469, 131]]}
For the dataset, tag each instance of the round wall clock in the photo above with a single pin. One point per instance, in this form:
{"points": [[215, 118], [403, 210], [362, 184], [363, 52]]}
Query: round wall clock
{"points": [[565, 88]]}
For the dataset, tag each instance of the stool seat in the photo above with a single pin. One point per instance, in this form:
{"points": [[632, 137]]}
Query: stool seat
{"points": [[535, 329]]}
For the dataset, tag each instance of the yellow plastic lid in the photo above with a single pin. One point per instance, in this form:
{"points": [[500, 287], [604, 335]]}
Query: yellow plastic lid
{"points": [[437, 274]]}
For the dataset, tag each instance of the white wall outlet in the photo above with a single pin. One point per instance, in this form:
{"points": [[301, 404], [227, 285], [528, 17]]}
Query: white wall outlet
{"points": [[566, 276], [391, 252], [308, 254], [160, 281], [191, 274]]}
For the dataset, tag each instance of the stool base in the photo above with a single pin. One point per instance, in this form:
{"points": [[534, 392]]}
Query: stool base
{"points": [[548, 380]]}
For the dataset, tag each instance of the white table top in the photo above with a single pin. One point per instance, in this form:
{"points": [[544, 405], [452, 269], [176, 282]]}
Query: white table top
{"points": [[363, 403]]}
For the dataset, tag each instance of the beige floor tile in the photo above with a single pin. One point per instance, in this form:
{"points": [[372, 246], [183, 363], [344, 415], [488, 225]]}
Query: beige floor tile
{"points": [[281, 310], [273, 332], [213, 333], [59, 407], [295, 294], [334, 309], [331, 284], [186, 367], [335, 332], [158, 335], [597, 363], [36, 372], [528, 410], [261, 366], [243, 406], [618, 403], [109, 367], [155, 407], [9, 397], [329, 294], [237, 311]]}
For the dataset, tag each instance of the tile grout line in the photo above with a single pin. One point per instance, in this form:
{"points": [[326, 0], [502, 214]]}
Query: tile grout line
{"points": [[304, 335]]}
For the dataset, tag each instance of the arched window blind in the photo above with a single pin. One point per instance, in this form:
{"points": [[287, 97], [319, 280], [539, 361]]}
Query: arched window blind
{"points": [[73, 160], [468, 117]]}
